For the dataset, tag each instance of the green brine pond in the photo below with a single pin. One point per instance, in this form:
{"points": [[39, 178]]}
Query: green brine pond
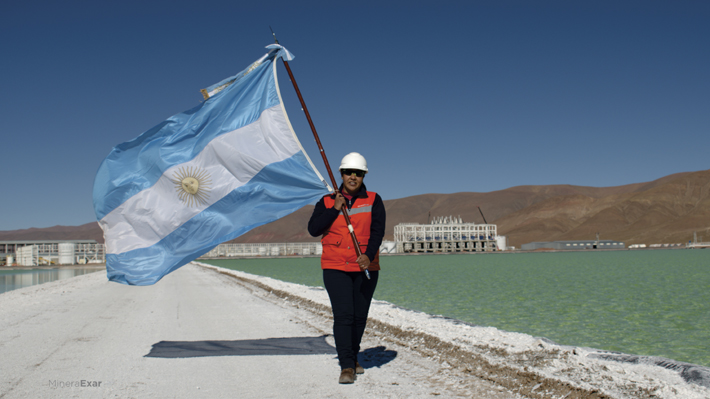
{"points": [[644, 302]]}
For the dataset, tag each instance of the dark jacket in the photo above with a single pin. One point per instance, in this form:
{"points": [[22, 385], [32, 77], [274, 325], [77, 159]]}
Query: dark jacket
{"points": [[323, 217]]}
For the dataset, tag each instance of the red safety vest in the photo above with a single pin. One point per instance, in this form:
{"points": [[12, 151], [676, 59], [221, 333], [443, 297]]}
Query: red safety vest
{"points": [[338, 251]]}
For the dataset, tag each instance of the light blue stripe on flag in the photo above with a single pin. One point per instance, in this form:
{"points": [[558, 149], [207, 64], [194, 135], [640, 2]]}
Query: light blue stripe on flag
{"points": [[203, 177], [139, 163], [269, 196]]}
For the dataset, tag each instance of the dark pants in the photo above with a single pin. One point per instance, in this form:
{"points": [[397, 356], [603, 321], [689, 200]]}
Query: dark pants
{"points": [[350, 296]]}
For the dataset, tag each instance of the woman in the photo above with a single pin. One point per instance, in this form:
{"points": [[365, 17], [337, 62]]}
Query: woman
{"points": [[349, 289]]}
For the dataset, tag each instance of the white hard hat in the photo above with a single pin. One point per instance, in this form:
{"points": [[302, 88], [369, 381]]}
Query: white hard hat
{"points": [[353, 161]]}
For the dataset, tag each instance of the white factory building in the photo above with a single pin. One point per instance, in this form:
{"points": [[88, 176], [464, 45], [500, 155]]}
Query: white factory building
{"points": [[51, 252], [447, 234]]}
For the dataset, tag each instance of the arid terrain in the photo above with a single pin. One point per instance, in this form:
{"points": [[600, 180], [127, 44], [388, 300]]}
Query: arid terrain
{"points": [[209, 332], [666, 210]]}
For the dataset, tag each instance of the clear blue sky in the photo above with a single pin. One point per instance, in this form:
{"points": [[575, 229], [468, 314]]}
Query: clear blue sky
{"points": [[440, 96]]}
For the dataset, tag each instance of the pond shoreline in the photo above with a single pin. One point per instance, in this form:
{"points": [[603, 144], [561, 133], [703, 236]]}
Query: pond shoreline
{"points": [[97, 266]]}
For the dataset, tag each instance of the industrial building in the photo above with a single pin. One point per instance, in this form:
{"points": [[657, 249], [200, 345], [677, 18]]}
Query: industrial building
{"points": [[695, 243], [447, 234], [278, 249], [51, 252], [265, 249], [574, 245]]}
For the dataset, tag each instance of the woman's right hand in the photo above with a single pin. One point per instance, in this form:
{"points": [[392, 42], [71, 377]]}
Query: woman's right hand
{"points": [[339, 201]]}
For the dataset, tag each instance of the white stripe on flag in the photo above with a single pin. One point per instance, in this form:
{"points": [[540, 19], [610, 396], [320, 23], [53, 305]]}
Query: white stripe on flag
{"points": [[230, 161]]}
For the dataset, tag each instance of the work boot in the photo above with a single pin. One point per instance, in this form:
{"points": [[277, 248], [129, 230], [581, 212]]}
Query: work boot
{"points": [[359, 369], [347, 376]]}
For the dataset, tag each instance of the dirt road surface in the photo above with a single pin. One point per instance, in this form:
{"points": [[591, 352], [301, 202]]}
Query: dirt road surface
{"points": [[204, 332]]}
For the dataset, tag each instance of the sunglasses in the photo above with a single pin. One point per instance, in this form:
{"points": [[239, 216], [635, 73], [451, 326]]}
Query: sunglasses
{"points": [[350, 172]]}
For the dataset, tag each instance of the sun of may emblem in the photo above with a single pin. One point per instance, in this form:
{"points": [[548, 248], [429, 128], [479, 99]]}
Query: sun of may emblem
{"points": [[192, 185]]}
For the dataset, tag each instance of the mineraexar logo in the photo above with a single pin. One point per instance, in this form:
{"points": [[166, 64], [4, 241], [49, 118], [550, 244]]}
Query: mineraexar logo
{"points": [[74, 384]]}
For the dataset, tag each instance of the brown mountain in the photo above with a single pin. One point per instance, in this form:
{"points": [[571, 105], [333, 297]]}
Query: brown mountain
{"points": [[667, 210], [89, 231]]}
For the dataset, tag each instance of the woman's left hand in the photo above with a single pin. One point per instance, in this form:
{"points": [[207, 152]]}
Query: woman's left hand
{"points": [[363, 261]]}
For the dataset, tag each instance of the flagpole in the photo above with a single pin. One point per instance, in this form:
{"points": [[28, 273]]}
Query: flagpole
{"points": [[344, 209]]}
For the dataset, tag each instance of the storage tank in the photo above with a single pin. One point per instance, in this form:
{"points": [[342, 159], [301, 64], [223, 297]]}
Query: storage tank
{"points": [[275, 251], [306, 251], [501, 242], [388, 247], [9, 261], [66, 253], [262, 251]]}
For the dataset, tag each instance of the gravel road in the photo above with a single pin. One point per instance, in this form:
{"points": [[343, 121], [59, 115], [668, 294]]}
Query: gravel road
{"points": [[207, 332], [87, 337]]}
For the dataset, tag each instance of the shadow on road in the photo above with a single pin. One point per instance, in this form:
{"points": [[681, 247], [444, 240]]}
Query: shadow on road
{"points": [[376, 357], [248, 347]]}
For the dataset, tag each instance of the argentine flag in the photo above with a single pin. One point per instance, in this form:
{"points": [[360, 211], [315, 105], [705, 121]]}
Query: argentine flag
{"points": [[203, 177]]}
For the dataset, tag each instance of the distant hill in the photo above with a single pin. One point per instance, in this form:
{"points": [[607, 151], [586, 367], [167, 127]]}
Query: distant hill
{"points": [[667, 210], [89, 231]]}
